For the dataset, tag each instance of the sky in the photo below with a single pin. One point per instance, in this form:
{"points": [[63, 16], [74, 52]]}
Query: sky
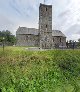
{"points": [[25, 13]]}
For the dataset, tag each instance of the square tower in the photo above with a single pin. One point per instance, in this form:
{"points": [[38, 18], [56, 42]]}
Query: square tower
{"points": [[45, 26]]}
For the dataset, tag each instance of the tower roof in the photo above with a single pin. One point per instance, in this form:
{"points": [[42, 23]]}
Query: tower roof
{"points": [[45, 5]]}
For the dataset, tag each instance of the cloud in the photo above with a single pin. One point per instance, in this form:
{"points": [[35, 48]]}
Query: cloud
{"points": [[66, 15], [68, 20], [7, 24], [14, 6]]}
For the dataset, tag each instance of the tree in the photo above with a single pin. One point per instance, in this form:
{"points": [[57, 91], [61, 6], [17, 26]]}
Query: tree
{"points": [[9, 38], [79, 42]]}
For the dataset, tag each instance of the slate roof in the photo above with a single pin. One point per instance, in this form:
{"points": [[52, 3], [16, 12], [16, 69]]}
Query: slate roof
{"points": [[25, 30], [57, 33]]}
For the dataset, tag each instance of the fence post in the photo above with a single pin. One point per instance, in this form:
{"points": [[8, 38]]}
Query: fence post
{"points": [[3, 43]]}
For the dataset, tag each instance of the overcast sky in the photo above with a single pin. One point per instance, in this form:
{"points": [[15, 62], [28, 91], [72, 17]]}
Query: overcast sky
{"points": [[66, 15]]}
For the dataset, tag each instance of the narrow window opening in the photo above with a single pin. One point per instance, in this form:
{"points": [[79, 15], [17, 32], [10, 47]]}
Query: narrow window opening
{"points": [[46, 26], [46, 8], [53, 39], [45, 45], [60, 39], [26, 37]]}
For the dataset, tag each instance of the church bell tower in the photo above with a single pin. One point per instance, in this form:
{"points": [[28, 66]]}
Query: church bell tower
{"points": [[45, 26]]}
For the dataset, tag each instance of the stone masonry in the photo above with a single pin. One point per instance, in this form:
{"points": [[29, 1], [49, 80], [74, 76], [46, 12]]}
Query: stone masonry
{"points": [[44, 37], [45, 26]]}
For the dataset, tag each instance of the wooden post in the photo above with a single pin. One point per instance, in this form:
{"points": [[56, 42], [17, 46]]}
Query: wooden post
{"points": [[3, 43]]}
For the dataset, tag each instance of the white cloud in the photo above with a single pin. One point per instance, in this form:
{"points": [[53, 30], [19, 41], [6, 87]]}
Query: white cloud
{"points": [[66, 14], [69, 17]]}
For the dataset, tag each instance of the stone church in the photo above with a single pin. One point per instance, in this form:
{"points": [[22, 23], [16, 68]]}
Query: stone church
{"points": [[44, 37]]}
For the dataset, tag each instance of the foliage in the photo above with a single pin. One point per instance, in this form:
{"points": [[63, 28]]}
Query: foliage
{"points": [[39, 71], [78, 42], [9, 38]]}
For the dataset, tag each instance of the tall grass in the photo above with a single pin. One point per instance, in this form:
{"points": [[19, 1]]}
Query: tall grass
{"points": [[39, 71]]}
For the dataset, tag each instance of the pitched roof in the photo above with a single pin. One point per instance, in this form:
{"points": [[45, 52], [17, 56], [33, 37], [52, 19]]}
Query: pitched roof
{"points": [[25, 30], [57, 33]]}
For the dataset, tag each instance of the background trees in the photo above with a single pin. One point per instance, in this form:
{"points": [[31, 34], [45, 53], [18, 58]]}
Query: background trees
{"points": [[9, 39], [79, 42]]}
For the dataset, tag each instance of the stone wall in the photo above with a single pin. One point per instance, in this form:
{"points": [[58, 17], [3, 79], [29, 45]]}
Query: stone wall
{"points": [[43, 37], [27, 40], [45, 26], [58, 42]]}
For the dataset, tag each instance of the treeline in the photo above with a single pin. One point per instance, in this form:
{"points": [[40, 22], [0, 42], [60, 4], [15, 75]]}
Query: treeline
{"points": [[7, 37], [73, 44]]}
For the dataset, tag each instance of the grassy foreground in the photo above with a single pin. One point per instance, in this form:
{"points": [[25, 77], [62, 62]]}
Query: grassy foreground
{"points": [[39, 71]]}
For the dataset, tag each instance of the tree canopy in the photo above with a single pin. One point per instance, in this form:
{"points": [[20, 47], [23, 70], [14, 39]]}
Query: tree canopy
{"points": [[9, 39]]}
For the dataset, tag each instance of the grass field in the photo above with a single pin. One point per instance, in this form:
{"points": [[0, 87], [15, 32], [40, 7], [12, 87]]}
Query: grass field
{"points": [[39, 71]]}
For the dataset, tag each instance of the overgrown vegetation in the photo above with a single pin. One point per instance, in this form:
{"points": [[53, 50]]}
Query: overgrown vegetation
{"points": [[39, 71]]}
